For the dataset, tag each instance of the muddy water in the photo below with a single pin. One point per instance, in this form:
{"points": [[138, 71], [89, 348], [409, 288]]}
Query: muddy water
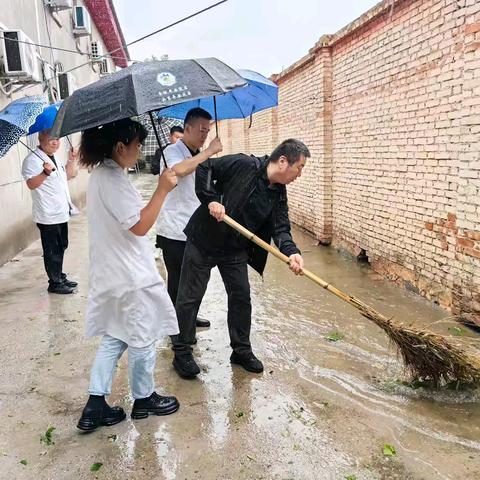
{"points": [[321, 409]]}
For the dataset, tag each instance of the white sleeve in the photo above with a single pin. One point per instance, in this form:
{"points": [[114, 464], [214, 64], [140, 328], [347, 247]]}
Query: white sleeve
{"points": [[31, 166], [173, 155], [122, 200]]}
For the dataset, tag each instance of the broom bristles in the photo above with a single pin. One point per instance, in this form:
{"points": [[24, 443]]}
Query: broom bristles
{"points": [[427, 355]]}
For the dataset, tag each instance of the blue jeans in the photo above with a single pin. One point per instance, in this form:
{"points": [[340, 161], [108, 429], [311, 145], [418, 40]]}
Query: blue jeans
{"points": [[141, 365]]}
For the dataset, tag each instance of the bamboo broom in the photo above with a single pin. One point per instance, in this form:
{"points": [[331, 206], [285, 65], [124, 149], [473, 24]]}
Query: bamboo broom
{"points": [[427, 355]]}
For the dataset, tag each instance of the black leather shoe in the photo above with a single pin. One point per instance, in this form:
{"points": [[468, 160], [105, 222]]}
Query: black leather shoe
{"points": [[186, 366], [70, 283], [60, 288], [93, 418], [155, 404], [248, 361], [200, 322]]}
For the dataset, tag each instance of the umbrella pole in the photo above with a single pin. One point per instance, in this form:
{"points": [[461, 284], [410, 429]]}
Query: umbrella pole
{"points": [[158, 138], [215, 112]]}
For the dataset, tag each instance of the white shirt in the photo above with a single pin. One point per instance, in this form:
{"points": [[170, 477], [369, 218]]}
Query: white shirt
{"points": [[182, 201], [127, 297], [51, 200]]}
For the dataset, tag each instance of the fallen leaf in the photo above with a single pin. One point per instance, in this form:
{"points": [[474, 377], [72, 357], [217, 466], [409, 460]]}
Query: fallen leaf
{"points": [[96, 467], [47, 438], [334, 336], [240, 414], [351, 477], [56, 353], [457, 331], [23, 462], [251, 458], [112, 438], [389, 450]]}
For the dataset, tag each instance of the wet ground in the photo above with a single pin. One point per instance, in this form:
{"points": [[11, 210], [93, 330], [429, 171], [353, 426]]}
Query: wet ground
{"points": [[323, 409]]}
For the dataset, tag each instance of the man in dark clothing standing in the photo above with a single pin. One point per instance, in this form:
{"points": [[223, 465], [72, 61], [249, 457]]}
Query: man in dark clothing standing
{"points": [[252, 191]]}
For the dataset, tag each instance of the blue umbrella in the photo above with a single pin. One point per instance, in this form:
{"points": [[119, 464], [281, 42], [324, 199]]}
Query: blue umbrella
{"points": [[45, 119], [259, 94], [17, 117]]}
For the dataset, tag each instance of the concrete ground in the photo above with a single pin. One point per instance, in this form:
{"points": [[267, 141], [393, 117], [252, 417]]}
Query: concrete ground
{"points": [[322, 409]]}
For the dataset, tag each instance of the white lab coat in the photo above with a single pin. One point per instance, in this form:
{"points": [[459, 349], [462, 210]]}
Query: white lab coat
{"points": [[127, 299]]}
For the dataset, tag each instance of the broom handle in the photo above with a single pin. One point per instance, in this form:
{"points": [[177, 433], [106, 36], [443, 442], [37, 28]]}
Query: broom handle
{"points": [[274, 251]]}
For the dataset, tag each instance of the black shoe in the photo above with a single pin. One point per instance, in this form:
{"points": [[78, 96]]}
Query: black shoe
{"points": [[186, 366], [95, 417], [155, 404], [60, 288], [200, 322], [248, 361]]}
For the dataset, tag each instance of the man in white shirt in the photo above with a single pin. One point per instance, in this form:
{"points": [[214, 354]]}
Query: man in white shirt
{"points": [[183, 157], [47, 178]]}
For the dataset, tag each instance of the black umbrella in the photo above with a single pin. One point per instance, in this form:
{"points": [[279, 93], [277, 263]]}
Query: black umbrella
{"points": [[141, 88]]}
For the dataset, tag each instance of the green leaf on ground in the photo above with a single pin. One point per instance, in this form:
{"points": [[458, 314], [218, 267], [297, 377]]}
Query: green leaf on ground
{"points": [[96, 467], [335, 336], [351, 477], [389, 450], [23, 462], [47, 438], [112, 438], [458, 331], [56, 353], [240, 414]]}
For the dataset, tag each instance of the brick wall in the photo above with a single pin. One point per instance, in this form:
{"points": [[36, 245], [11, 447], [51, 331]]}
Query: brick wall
{"points": [[390, 109]]}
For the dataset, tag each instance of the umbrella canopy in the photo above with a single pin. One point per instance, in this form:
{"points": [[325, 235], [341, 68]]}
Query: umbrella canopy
{"points": [[143, 87], [260, 93], [16, 119], [45, 119]]}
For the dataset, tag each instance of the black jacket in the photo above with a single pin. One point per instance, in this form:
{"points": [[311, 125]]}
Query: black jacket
{"points": [[231, 180]]}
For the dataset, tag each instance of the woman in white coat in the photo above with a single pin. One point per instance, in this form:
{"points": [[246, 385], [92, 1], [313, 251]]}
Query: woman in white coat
{"points": [[128, 303]]}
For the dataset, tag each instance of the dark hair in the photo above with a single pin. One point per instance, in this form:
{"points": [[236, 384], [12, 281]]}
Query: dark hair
{"points": [[98, 143], [195, 113], [292, 149], [176, 128]]}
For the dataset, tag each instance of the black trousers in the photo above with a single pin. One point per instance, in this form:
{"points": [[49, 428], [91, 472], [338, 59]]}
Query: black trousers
{"points": [[172, 251], [54, 243], [194, 279]]}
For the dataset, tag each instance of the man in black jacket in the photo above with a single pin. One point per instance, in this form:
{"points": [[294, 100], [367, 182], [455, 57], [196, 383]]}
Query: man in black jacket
{"points": [[252, 191]]}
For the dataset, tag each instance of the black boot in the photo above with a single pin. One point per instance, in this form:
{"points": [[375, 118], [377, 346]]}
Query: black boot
{"points": [[155, 404], [248, 361], [67, 282], [186, 366], [60, 288], [202, 323], [97, 412]]}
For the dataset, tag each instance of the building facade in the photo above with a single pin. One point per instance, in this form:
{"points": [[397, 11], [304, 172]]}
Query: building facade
{"points": [[83, 34], [390, 108]]}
